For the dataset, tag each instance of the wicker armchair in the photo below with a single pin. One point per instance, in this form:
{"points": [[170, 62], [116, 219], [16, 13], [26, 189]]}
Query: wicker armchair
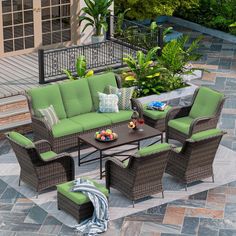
{"points": [[194, 160], [202, 114], [40, 167], [138, 177]]}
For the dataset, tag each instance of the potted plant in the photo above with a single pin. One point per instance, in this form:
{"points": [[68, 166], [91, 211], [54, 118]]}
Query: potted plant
{"points": [[81, 70], [95, 13]]}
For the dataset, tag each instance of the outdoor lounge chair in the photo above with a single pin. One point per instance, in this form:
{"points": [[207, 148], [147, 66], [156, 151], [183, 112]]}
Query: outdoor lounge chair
{"points": [[202, 114], [41, 168], [141, 174], [194, 160]]}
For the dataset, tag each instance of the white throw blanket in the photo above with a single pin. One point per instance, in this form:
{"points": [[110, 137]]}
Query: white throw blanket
{"points": [[99, 221]]}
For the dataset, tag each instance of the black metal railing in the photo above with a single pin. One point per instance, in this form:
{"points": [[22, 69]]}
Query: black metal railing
{"points": [[135, 34], [99, 57], [122, 40]]}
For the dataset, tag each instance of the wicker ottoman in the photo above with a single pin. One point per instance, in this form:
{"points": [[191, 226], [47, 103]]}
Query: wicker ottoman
{"points": [[155, 119], [76, 203]]}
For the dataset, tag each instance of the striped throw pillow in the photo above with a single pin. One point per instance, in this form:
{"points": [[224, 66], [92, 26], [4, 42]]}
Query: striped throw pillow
{"points": [[49, 115], [108, 102], [124, 94]]}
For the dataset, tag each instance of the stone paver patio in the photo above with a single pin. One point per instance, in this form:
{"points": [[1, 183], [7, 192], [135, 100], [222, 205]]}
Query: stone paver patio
{"points": [[199, 211]]}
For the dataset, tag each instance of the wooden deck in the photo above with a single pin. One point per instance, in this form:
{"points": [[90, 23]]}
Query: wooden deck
{"points": [[18, 74]]}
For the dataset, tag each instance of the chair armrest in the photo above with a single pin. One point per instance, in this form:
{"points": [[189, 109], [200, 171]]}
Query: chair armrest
{"points": [[115, 162], [177, 112], [138, 105], [118, 81], [43, 146], [41, 128], [62, 155], [202, 124]]}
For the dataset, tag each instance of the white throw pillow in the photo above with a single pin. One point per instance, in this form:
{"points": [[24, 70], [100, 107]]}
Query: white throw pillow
{"points": [[108, 103]]}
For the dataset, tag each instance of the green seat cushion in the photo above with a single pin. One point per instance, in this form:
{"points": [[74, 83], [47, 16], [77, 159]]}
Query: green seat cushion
{"points": [[126, 162], [76, 97], [181, 124], [99, 83], [205, 134], [119, 116], [66, 127], [78, 197], [155, 148], [45, 96], [206, 103], [91, 120], [154, 114], [20, 139], [48, 155]]}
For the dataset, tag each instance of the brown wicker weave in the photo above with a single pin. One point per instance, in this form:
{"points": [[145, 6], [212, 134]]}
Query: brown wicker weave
{"points": [[79, 212], [159, 124], [194, 161], [142, 177], [198, 125], [42, 131], [41, 174]]}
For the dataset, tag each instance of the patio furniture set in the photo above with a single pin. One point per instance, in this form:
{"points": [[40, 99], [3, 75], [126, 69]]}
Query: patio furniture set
{"points": [[138, 175]]}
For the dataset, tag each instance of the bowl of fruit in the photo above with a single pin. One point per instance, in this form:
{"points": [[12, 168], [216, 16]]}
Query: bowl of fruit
{"points": [[105, 135]]}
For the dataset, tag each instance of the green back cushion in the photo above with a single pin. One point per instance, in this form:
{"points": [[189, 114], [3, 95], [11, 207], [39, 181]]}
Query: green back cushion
{"points": [[205, 103], [98, 83], [205, 134], [76, 97], [45, 96], [20, 139], [78, 197], [153, 149]]}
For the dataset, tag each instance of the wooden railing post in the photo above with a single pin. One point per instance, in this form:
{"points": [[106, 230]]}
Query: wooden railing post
{"points": [[41, 66]]}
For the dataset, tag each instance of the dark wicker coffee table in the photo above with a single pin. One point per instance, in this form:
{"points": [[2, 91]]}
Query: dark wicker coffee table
{"points": [[126, 136]]}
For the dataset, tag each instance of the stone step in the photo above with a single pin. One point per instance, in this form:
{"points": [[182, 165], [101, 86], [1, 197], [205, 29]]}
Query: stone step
{"points": [[14, 114], [11, 103]]}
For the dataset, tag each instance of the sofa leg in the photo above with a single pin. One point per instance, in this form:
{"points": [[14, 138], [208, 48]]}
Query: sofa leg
{"points": [[133, 203], [19, 182], [162, 194], [213, 178], [186, 187]]}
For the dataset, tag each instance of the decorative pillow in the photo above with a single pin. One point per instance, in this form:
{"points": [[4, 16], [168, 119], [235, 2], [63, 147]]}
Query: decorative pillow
{"points": [[50, 115], [108, 102], [124, 94]]}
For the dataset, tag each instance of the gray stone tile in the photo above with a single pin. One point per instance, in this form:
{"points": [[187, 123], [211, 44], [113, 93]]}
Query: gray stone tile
{"points": [[32, 234], [10, 195], [7, 233], [227, 232], [163, 228], [67, 231], [199, 196], [158, 210], [51, 226], [36, 215], [188, 203], [207, 231], [3, 186], [23, 207], [190, 225], [230, 211]]}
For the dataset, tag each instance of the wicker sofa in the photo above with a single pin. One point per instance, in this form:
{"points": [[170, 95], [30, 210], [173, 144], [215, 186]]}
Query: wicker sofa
{"points": [[75, 103]]}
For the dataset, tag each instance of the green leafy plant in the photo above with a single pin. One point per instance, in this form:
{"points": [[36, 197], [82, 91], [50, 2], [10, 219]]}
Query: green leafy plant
{"points": [[176, 56], [95, 13], [144, 72], [120, 20], [81, 70]]}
